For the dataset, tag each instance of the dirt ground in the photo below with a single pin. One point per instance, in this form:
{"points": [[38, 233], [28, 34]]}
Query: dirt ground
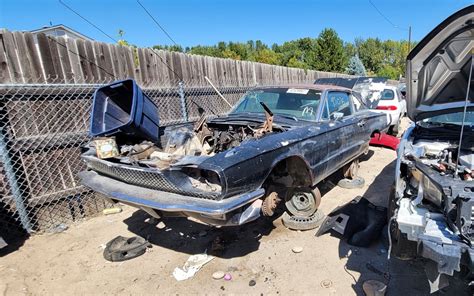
{"points": [[71, 262]]}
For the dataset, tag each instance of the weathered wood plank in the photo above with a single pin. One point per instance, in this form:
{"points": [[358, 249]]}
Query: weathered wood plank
{"points": [[4, 64], [65, 61], [84, 62], [35, 60], [109, 71], [92, 57], [24, 60], [12, 57], [46, 57], [53, 45], [75, 60], [142, 67]]}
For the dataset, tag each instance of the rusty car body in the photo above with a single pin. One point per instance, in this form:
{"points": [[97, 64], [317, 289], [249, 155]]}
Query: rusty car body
{"points": [[227, 170]]}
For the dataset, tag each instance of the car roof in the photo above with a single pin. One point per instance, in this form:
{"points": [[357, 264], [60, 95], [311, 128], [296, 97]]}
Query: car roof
{"points": [[320, 87]]}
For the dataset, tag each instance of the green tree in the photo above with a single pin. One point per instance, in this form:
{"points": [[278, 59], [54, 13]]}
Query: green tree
{"points": [[122, 41], [371, 53], [268, 56], [329, 52], [355, 67], [389, 71]]}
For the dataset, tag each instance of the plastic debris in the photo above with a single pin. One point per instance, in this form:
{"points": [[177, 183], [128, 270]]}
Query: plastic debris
{"points": [[218, 275], [227, 277], [111, 211], [374, 288], [122, 248], [297, 250], [191, 267], [3, 243], [326, 284], [59, 228], [385, 140]]}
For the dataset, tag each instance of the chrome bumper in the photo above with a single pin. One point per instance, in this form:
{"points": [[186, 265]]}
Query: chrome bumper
{"points": [[165, 201]]}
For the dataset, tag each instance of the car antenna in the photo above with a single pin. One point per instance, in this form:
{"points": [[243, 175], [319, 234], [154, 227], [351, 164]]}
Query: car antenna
{"points": [[464, 114]]}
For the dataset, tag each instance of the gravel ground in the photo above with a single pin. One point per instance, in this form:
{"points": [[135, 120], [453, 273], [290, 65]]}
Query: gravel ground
{"points": [[71, 262]]}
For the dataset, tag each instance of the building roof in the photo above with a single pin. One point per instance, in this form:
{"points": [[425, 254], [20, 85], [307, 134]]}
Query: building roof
{"points": [[62, 27]]}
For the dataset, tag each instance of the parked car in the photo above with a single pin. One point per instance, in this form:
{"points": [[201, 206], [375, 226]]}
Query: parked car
{"points": [[377, 95], [391, 101], [432, 202], [272, 148]]}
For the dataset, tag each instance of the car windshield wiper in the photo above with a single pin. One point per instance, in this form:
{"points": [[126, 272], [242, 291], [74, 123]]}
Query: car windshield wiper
{"points": [[287, 116]]}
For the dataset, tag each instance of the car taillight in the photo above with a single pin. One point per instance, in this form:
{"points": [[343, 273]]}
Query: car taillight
{"points": [[391, 108]]}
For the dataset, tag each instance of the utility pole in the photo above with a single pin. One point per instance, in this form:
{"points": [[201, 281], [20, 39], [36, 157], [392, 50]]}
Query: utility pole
{"points": [[409, 39]]}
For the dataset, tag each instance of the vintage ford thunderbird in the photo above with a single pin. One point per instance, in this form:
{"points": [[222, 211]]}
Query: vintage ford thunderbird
{"points": [[273, 147]]}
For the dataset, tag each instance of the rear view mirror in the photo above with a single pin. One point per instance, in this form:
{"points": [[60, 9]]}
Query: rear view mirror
{"points": [[337, 115]]}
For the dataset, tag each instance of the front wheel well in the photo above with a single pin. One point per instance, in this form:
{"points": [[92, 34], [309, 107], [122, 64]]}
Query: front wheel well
{"points": [[292, 171]]}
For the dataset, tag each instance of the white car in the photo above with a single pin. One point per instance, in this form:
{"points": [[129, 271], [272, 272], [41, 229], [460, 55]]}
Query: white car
{"points": [[391, 102]]}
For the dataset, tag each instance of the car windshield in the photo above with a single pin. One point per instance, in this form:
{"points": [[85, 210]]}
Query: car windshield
{"points": [[295, 102], [451, 118]]}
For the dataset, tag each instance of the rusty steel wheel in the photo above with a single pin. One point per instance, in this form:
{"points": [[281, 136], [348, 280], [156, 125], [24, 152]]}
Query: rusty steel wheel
{"points": [[351, 170], [303, 202], [270, 203]]}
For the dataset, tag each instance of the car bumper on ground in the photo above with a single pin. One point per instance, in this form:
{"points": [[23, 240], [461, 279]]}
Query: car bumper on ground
{"points": [[230, 211]]}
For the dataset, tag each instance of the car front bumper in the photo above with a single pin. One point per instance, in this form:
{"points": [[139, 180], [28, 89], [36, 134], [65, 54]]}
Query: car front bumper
{"points": [[214, 212]]}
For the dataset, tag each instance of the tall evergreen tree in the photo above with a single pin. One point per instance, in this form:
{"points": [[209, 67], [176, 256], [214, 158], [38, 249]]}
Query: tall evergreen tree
{"points": [[329, 52], [356, 67]]}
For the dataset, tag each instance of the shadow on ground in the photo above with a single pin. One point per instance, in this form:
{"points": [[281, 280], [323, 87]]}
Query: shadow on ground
{"points": [[189, 237], [401, 277]]}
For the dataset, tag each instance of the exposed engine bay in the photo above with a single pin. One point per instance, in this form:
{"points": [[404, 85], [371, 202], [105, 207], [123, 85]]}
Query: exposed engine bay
{"points": [[436, 204], [204, 138]]}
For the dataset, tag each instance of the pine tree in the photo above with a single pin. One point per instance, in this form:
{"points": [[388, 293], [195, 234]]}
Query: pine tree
{"points": [[356, 67], [329, 52]]}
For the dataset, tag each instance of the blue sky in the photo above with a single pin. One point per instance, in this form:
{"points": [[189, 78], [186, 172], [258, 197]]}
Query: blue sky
{"points": [[206, 22]]}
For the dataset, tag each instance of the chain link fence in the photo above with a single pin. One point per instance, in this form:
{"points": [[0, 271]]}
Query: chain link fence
{"points": [[42, 129]]}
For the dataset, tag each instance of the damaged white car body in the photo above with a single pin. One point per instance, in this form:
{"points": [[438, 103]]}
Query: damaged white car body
{"points": [[432, 204]]}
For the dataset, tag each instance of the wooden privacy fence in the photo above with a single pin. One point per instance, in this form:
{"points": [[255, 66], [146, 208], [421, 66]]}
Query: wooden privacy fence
{"points": [[25, 58]]}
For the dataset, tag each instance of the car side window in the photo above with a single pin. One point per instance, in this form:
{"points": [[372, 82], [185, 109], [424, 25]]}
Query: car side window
{"points": [[337, 102], [357, 102]]}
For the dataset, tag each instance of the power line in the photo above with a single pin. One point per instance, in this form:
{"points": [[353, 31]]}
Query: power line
{"points": [[116, 41], [386, 18], [157, 23], [164, 31], [90, 23]]}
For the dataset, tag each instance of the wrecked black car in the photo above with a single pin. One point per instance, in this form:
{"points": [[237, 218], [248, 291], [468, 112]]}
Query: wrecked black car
{"points": [[432, 206], [271, 149]]}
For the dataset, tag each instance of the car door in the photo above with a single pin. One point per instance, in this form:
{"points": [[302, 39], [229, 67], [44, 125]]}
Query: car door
{"points": [[341, 129], [362, 129]]}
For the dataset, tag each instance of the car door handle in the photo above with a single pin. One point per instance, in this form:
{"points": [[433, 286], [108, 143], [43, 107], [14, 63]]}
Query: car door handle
{"points": [[362, 122]]}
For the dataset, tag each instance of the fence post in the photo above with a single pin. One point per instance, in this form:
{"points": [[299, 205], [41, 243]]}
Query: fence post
{"points": [[182, 100], [12, 181]]}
